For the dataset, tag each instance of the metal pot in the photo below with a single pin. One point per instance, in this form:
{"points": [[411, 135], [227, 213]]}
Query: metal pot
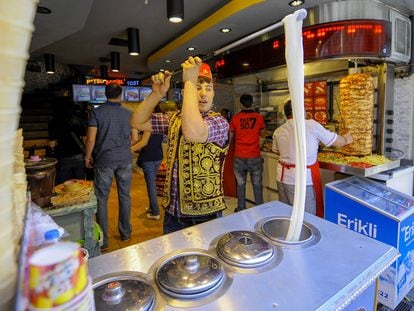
{"points": [[41, 175]]}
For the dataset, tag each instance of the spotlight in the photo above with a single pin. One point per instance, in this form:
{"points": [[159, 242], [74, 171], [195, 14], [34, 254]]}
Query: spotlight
{"points": [[50, 63], [296, 2], [175, 11], [115, 61], [133, 41], [225, 30]]}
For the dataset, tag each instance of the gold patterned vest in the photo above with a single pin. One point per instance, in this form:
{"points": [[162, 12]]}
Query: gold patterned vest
{"points": [[200, 172]]}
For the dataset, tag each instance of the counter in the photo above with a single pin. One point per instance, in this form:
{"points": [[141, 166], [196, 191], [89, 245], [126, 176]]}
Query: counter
{"points": [[78, 221], [325, 275]]}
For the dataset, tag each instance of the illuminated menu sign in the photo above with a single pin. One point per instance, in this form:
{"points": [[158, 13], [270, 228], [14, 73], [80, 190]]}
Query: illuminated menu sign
{"points": [[352, 38], [107, 81]]}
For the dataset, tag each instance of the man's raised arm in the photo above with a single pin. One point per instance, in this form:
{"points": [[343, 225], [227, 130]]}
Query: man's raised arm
{"points": [[141, 116]]}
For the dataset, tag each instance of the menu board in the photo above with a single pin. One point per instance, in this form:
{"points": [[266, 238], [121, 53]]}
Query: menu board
{"points": [[131, 93], [98, 93], [81, 92], [316, 102]]}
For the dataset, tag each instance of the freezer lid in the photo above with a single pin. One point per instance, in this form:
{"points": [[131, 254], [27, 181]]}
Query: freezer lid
{"points": [[245, 249]]}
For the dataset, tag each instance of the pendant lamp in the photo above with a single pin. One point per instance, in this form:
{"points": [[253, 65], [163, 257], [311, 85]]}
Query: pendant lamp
{"points": [[133, 41], [50, 63], [115, 61], [175, 11]]}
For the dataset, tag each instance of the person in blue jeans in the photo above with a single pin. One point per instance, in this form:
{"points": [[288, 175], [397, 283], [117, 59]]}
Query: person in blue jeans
{"points": [[149, 159], [109, 138]]}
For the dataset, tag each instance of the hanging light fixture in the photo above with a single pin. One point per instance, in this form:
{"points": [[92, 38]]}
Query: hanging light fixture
{"points": [[133, 41], [115, 61], [104, 72], [175, 11], [50, 63]]}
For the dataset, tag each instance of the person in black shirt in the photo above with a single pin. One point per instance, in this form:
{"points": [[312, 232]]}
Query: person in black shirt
{"points": [[66, 133]]}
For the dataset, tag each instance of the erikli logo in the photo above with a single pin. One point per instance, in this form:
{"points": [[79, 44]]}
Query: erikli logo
{"points": [[408, 232], [358, 225]]}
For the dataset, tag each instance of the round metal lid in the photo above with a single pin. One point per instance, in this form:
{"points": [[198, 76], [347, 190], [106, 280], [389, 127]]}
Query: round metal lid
{"points": [[123, 292], [190, 275], [40, 163], [245, 249]]}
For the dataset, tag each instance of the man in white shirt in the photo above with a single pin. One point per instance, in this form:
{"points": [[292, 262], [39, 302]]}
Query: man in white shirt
{"points": [[284, 146]]}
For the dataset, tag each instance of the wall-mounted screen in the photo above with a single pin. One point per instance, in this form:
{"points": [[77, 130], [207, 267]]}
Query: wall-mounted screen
{"points": [[81, 92], [144, 92], [131, 94], [98, 93], [176, 94]]}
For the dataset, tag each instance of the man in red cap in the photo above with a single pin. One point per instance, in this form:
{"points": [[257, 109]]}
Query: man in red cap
{"points": [[197, 146]]}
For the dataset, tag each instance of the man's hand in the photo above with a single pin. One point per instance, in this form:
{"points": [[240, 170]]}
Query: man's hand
{"points": [[191, 68], [88, 162], [348, 138], [161, 83]]}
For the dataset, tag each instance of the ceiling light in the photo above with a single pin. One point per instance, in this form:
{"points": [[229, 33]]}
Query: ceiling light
{"points": [[50, 63], [168, 61], [175, 11], [296, 2], [191, 48], [115, 61], [225, 30], [133, 41]]}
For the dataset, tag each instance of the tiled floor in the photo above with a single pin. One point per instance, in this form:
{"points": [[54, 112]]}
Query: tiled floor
{"points": [[143, 229]]}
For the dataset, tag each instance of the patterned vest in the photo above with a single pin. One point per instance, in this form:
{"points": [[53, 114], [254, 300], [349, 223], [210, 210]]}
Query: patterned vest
{"points": [[200, 172]]}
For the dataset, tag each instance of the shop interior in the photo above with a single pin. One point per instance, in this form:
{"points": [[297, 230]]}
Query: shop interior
{"points": [[370, 192]]}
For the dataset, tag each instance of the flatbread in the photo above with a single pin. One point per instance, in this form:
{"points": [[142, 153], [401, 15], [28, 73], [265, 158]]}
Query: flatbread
{"points": [[72, 192]]}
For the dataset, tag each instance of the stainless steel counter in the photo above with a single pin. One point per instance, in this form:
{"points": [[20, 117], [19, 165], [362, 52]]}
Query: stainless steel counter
{"points": [[325, 275], [364, 172]]}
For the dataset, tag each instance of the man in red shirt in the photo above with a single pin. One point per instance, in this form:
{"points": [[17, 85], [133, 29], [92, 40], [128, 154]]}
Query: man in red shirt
{"points": [[246, 127]]}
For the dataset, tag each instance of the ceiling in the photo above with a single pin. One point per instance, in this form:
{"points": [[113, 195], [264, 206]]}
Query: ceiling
{"points": [[77, 32]]}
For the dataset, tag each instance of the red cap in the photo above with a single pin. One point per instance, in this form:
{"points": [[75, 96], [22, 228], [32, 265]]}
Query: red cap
{"points": [[205, 71]]}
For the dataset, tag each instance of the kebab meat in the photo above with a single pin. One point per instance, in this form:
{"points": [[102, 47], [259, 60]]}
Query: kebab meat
{"points": [[356, 107]]}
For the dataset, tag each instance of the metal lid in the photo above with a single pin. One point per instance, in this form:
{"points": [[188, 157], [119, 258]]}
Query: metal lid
{"points": [[123, 292], [190, 275], [244, 249], [40, 163]]}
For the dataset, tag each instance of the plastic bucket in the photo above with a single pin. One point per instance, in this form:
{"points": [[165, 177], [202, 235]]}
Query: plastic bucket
{"points": [[58, 276]]}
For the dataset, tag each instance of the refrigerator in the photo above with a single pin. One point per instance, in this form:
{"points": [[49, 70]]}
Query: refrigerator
{"points": [[384, 214]]}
